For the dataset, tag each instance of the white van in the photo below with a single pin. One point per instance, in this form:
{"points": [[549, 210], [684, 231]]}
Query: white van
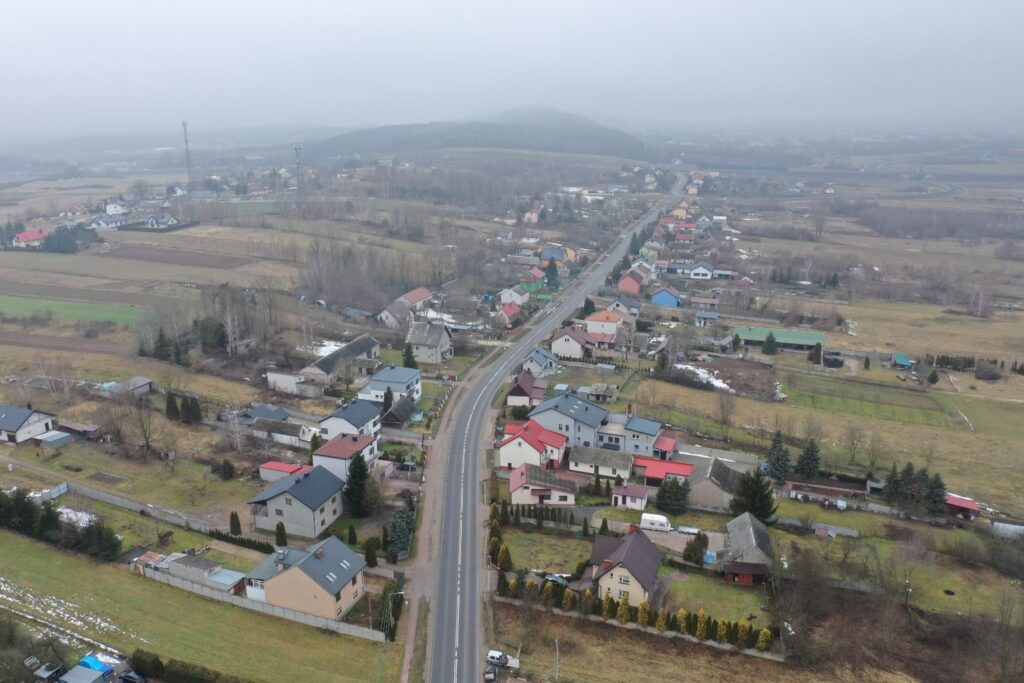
{"points": [[650, 522]]}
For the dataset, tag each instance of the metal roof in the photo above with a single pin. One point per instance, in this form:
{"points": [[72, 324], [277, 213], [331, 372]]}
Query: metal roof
{"points": [[310, 488], [330, 563], [396, 375], [635, 552], [357, 413], [575, 407], [12, 417], [800, 337], [643, 426]]}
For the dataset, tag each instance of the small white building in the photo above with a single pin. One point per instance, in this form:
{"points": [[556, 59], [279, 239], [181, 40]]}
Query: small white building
{"points": [[21, 424], [606, 462], [116, 209], [361, 418], [514, 295], [632, 496], [531, 485], [530, 443]]}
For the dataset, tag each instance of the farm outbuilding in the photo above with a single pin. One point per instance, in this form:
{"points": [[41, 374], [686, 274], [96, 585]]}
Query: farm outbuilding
{"points": [[53, 440], [794, 340], [86, 431], [961, 506], [901, 361]]}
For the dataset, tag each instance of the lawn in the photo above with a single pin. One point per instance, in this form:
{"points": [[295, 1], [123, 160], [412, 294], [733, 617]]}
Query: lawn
{"points": [[108, 603], [545, 551], [713, 595], [702, 520], [70, 310]]}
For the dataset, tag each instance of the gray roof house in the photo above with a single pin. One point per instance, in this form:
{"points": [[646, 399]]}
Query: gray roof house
{"points": [[607, 463], [713, 482], [748, 549], [356, 417], [636, 554], [401, 381], [401, 414], [640, 434], [261, 411], [571, 416], [397, 314], [358, 357], [306, 503], [541, 362], [431, 342], [21, 424], [326, 579]]}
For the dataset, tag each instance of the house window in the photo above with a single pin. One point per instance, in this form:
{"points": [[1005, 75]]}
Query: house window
{"points": [[623, 594], [614, 472], [279, 512], [287, 501], [256, 583], [334, 498], [323, 522], [624, 579], [586, 444], [334, 512], [563, 498], [354, 579], [322, 508]]}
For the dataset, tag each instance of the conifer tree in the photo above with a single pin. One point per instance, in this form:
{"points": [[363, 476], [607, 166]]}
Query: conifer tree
{"points": [[235, 524], [408, 357], [662, 623], [778, 458], [643, 614], [764, 640], [280, 535], [770, 347], [622, 615], [568, 600], [171, 409], [606, 606], [754, 495], [355, 488], [809, 462], [504, 558]]}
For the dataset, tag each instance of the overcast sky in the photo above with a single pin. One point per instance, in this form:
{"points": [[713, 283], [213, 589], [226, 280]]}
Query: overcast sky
{"points": [[108, 66]]}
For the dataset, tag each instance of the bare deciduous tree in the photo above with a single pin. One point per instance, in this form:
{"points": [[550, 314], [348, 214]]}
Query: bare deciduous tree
{"points": [[726, 409], [852, 439]]}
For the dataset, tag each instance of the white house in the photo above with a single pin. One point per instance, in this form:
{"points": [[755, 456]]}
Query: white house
{"points": [[607, 463], [361, 418], [21, 424], [307, 504], [401, 381], [632, 496], [541, 363], [530, 443], [116, 209], [572, 416], [336, 455], [431, 342], [514, 295], [291, 434], [107, 222], [701, 271], [605, 322], [531, 485], [573, 343]]}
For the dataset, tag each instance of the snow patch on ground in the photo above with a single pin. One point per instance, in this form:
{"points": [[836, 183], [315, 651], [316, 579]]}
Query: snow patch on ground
{"points": [[79, 519], [324, 347], [56, 609], [705, 376]]}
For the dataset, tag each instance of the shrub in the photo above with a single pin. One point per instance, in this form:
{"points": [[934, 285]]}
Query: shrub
{"points": [[764, 640], [622, 615], [702, 626], [662, 622], [147, 663], [226, 471], [986, 371], [643, 614], [682, 619], [723, 632], [743, 634]]}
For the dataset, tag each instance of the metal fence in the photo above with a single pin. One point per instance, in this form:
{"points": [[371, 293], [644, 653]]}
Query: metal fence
{"points": [[265, 608]]}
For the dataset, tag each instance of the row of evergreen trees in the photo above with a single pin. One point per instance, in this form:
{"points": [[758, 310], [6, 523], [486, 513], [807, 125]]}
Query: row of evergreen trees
{"points": [[916, 491], [807, 465], [209, 333], [20, 513], [699, 624], [188, 410], [785, 277]]}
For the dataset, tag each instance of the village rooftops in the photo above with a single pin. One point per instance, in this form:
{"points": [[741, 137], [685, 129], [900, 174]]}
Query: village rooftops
{"points": [[573, 406], [539, 477], [748, 540], [643, 426], [397, 375], [362, 344], [330, 563], [602, 457], [794, 337], [312, 488], [659, 469], [357, 413], [534, 434], [12, 417], [416, 296], [427, 334], [345, 446]]}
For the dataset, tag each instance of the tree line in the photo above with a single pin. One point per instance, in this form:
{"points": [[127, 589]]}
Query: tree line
{"points": [[20, 513]]}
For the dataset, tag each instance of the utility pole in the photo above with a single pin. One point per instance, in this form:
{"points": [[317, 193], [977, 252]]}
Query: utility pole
{"points": [[558, 659], [188, 155]]}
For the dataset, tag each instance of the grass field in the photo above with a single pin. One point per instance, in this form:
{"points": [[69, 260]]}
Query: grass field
{"points": [[108, 603], [717, 598], [544, 550], [702, 520], [70, 310]]}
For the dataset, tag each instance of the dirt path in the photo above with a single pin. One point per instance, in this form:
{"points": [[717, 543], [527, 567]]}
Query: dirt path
{"points": [[74, 344]]}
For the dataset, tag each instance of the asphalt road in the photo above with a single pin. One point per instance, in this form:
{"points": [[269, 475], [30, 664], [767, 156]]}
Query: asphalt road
{"points": [[455, 652]]}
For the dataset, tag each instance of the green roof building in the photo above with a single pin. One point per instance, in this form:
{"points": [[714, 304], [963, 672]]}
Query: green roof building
{"points": [[798, 340]]}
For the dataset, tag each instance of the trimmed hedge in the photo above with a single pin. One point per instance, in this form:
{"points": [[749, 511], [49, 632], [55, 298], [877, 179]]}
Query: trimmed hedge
{"points": [[149, 664], [256, 544]]}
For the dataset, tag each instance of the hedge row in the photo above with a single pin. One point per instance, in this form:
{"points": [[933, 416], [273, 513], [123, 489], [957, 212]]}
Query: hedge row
{"points": [[150, 665]]}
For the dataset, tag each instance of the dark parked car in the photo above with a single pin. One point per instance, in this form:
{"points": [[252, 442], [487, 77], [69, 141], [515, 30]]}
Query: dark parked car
{"points": [[131, 677], [406, 467]]}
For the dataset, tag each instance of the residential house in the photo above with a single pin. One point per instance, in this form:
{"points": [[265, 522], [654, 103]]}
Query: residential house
{"points": [[706, 318], [30, 239], [901, 361], [748, 552], [107, 222], [560, 255], [357, 357], [401, 381], [599, 392], [514, 295], [621, 567], [416, 299], [573, 343], [272, 470], [532, 485], [701, 271], [703, 223], [621, 304], [203, 571], [292, 434], [80, 673], [641, 434], [21, 424], [667, 297], [294, 384], [116, 209], [704, 303], [257, 411], [575, 417], [396, 315], [530, 443], [723, 274], [306, 503], [508, 314], [645, 269], [607, 323], [632, 496], [653, 471], [431, 342], [794, 340], [336, 455], [713, 483], [527, 390], [606, 463], [402, 412], [356, 417], [161, 221], [651, 248], [630, 283], [325, 579], [541, 362], [533, 280]]}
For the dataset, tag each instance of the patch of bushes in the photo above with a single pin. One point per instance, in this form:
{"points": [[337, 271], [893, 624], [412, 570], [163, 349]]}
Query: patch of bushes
{"points": [[20, 513], [150, 665], [256, 544]]}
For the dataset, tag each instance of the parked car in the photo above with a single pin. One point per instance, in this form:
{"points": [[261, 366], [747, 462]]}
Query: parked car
{"points": [[557, 580], [499, 658], [131, 677], [490, 673]]}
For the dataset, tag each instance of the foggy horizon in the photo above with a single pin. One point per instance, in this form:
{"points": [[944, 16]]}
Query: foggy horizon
{"points": [[127, 69]]}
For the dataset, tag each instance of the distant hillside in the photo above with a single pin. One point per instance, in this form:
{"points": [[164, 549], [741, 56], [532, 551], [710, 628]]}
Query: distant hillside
{"points": [[541, 130]]}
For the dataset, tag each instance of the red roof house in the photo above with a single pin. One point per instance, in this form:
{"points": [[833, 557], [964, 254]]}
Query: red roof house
{"points": [[336, 454], [31, 238], [630, 283], [654, 470], [532, 443], [416, 298], [272, 470]]}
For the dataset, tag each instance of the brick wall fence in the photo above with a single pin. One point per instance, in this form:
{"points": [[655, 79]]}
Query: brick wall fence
{"points": [[169, 516], [265, 608]]}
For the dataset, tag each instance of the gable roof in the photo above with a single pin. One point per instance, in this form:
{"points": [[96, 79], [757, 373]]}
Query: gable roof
{"points": [[634, 551], [579, 335], [643, 426], [265, 410], [542, 356], [276, 427], [355, 348], [399, 310], [723, 476], [528, 385], [427, 334], [286, 467], [396, 374], [330, 563], [310, 488], [535, 434], [32, 235], [538, 476], [658, 469], [748, 536], [511, 310], [605, 316], [702, 264], [634, 490], [573, 406], [635, 277], [401, 411], [345, 446], [628, 303], [416, 296], [12, 417], [800, 337], [602, 457], [357, 413]]}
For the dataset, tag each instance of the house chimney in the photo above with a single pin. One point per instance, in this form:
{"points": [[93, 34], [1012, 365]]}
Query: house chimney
{"points": [[319, 553], [629, 410], [355, 438], [606, 565]]}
